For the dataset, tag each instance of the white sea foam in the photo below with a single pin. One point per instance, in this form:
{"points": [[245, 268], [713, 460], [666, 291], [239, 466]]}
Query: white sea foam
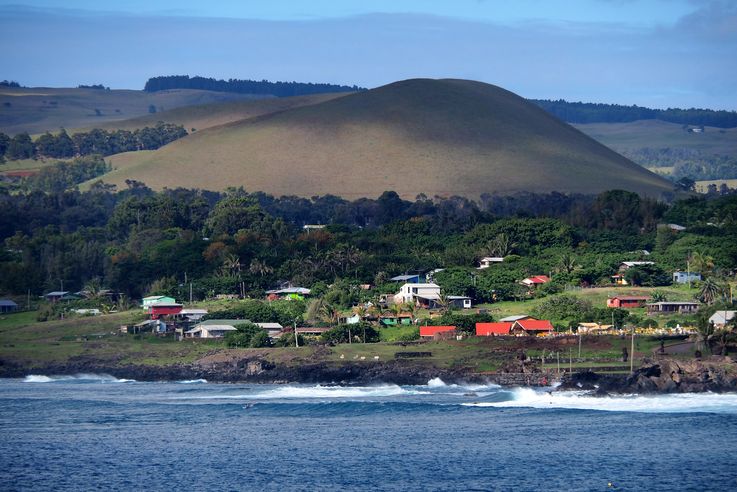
{"points": [[320, 392], [437, 383], [192, 381], [102, 378], [671, 403]]}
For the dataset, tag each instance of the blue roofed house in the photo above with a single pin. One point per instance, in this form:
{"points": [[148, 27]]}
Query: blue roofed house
{"points": [[7, 306]]}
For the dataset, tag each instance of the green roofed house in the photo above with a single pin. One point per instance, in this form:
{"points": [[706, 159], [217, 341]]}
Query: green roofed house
{"points": [[148, 301]]}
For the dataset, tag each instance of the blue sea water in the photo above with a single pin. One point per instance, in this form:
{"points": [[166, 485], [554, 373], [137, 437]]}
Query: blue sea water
{"points": [[92, 432]]}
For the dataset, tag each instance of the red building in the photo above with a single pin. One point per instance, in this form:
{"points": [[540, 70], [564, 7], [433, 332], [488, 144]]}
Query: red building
{"points": [[493, 329], [532, 327], [626, 302], [157, 311], [431, 331]]}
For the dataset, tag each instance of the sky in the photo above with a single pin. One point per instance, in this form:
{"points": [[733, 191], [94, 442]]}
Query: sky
{"points": [[654, 53]]}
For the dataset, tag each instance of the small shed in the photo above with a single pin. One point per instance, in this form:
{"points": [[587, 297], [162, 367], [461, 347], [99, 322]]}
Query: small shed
{"points": [[626, 302], [493, 329], [432, 331]]}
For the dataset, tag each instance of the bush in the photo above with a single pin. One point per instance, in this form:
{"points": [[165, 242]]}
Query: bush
{"points": [[248, 335]]}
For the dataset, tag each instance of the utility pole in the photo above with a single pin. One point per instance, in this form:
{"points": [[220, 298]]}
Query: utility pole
{"points": [[579, 346], [557, 356], [570, 360], [632, 351], [296, 339], [190, 292], [688, 269]]}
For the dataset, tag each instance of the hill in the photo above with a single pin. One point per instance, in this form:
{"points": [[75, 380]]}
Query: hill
{"points": [[37, 110], [205, 116], [444, 137]]}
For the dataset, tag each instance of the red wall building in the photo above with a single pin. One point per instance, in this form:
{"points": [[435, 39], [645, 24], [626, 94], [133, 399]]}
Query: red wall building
{"points": [[493, 329], [431, 331], [156, 311]]}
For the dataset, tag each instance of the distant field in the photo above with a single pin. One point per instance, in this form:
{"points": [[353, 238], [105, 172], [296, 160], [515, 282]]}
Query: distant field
{"points": [[703, 186], [659, 134], [37, 110]]}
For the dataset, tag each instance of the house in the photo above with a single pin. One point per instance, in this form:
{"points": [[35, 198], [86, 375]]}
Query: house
{"points": [[412, 279], [487, 261], [295, 293], [350, 320], [626, 265], [150, 325], [516, 317], [463, 302], [415, 293], [493, 329], [592, 328], [161, 309], [429, 275], [60, 295], [722, 318], [396, 319], [675, 227], [213, 328], [274, 330], [686, 277], [531, 327], [7, 306], [87, 312], [148, 301], [626, 302], [618, 279], [192, 315], [673, 307], [433, 331], [535, 281]]}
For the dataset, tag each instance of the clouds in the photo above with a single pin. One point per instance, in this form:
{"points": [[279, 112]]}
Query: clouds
{"points": [[685, 64]]}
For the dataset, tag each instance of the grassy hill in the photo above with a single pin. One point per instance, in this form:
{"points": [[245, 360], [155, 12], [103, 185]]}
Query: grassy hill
{"points": [[438, 137], [36, 110], [203, 116]]}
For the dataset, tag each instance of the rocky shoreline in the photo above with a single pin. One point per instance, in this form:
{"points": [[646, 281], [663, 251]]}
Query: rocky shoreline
{"points": [[715, 374]]}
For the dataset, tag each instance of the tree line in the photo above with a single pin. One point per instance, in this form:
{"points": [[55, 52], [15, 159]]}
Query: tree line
{"points": [[138, 241], [579, 112], [263, 87], [96, 141]]}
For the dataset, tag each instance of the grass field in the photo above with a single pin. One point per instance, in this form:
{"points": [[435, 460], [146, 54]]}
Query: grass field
{"points": [[703, 186], [660, 134], [37, 110], [445, 137]]}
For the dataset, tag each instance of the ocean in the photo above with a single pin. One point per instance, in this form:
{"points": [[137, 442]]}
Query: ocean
{"points": [[96, 432]]}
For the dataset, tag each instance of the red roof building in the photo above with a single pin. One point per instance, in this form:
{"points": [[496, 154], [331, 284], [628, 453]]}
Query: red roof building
{"points": [[532, 327], [493, 329], [431, 331], [626, 302], [536, 280], [156, 311]]}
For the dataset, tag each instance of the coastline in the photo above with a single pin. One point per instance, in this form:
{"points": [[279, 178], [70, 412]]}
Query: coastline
{"points": [[714, 374]]}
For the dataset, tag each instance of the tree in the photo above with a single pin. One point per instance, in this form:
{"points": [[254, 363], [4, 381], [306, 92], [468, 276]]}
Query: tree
{"points": [[711, 291], [247, 334], [701, 263], [20, 147], [567, 263]]}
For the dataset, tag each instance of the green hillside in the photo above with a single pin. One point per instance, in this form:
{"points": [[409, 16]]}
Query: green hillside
{"points": [[36, 110], [438, 137]]}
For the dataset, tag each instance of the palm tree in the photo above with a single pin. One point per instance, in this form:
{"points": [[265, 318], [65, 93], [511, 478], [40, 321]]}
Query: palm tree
{"points": [[232, 263], [658, 296], [258, 267], [567, 263], [701, 262], [502, 245], [710, 291]]}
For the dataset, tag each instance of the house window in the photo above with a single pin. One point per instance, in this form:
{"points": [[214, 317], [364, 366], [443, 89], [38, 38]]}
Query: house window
{"points": [[414, 290]]}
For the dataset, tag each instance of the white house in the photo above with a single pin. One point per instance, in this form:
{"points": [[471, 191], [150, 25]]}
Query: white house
{"points": [[626, 265], [721, 318], [218, 328], [487, 261], [417, 293], [193, 314], [686, 277]]}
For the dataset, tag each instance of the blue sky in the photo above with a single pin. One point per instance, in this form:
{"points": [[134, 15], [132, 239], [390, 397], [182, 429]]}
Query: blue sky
{"points": [[658, 53]]}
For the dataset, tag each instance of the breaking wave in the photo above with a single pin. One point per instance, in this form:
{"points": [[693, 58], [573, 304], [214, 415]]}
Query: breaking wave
{"points": [[192, 381], [322, 392], [577, 400], [91, 378]]}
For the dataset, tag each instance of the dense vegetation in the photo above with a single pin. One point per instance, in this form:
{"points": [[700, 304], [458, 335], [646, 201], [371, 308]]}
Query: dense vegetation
{"points": [[692, 163], [279, 89], [579, 112], [139, 242], [95, 141]]}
